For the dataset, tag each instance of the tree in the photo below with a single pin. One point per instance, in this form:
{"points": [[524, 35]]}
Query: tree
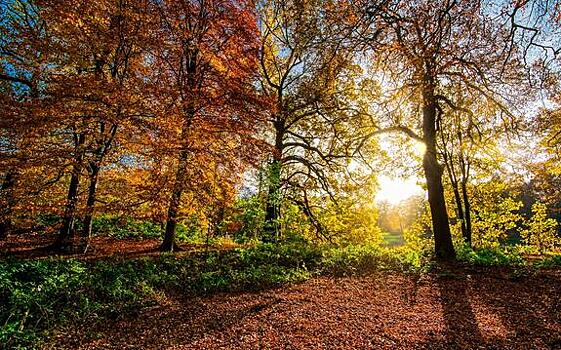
{"points": [[469, 145], [541, 230], [97, 59], [204, 72], [307, 70], [496, 213], [429, 50]]}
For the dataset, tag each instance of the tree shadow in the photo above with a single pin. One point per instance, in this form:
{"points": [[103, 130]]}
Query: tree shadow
{"points": [[529, 307], [524, 312], [187, 322], [462, 328]]}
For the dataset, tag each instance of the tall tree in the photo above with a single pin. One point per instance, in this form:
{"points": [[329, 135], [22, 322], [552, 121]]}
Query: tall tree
{"points": [[430, 49], [205, 68], [308, 70], [97, 78]]}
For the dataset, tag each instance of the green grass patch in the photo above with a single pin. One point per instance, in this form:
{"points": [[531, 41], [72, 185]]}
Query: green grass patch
{"points": [[392, 239]]}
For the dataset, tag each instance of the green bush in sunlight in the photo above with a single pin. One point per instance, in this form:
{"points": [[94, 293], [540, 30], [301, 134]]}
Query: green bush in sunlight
{"points": [[360, 259], [509, 256], [351, 259]]}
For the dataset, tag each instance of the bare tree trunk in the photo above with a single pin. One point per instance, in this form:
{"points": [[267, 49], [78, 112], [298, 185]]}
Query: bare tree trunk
{"points": [[169, 244], [88, 217], [460, 209], [273, 206], [66, 235], [455, 189], [467, 207], [6, 212], [95, 168], [443, 246]]}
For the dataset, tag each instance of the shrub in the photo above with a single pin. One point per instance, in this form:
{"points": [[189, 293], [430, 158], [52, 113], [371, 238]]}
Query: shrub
{"points": [[491, 256], [121, 228], [549, 262], [540, 232]]}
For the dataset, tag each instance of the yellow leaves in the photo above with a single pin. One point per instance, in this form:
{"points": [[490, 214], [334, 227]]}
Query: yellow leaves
{"points": [[541, 231]]}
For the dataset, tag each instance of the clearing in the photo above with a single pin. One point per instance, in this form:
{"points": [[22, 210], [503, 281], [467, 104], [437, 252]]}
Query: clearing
{"points": [[450, 308]]}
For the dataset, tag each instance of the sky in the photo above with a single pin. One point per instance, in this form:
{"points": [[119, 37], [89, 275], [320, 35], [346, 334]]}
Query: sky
{"points": [[400, 184], [395, 190]]}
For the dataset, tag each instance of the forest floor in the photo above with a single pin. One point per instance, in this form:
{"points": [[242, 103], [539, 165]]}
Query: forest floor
{"points": [[449, 308], [36, 246]]}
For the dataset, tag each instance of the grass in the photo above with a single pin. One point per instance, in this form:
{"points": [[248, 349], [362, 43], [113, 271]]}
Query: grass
{"points": [[393, 239]]}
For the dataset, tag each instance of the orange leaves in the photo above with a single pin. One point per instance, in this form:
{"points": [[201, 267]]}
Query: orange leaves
{"points": [[141, 82]]}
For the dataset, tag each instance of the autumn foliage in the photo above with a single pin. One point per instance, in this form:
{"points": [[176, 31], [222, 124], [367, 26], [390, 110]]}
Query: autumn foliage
{"points": [[271, 119]]}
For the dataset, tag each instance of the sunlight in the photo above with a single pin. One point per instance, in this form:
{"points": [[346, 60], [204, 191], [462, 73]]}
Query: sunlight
{"points": [[420, 148], [395, 190]]}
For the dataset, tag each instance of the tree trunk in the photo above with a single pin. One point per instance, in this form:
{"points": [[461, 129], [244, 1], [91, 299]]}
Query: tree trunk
{"points": [[66, 235], [467, 212], [460, 210], [169, 244], [88, 218], [455, 189], [4, 228], [6, 191], [272, 214], [443, 246]]}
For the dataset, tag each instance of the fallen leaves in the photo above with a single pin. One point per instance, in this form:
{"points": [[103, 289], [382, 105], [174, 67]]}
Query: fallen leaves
{"points": [[382, 311]]}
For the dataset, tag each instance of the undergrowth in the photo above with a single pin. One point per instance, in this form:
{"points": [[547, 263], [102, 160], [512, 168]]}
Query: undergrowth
{"points": [[509, 256], [41, 295]]}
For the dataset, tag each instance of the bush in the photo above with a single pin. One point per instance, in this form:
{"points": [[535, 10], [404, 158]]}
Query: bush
{"points": [[122, 228], [549, 262], [510, 256]]}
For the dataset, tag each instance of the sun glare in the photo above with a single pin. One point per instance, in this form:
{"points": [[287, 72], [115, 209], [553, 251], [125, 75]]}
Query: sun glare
{"points": [[395, 190], [420, 148]]}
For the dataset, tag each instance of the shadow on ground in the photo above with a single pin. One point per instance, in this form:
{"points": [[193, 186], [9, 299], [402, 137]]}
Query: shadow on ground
{"points": [[462, 310]]}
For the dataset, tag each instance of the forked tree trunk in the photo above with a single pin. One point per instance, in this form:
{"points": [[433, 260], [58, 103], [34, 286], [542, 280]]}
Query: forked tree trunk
{"points": [[90, 203], [95, 168], [443, 246], [272, 213], [66, 235]]}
